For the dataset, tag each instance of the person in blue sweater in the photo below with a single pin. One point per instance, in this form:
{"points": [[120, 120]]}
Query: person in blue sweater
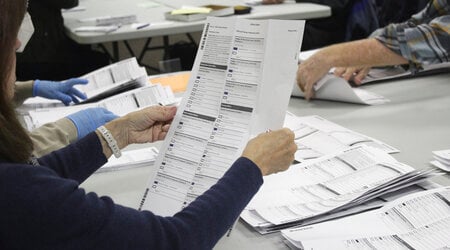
{"points": [[43, 207]]}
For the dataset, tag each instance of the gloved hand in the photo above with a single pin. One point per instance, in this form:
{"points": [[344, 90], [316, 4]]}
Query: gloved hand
{"points": [[90, 119], [63, 91]]}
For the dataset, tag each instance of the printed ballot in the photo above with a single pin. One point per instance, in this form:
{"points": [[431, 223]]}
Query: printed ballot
{"points": [[239, 86]]}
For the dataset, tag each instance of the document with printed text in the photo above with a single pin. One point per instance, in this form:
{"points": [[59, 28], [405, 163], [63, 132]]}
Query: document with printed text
{"points": [[234, 93], [416, 221]]}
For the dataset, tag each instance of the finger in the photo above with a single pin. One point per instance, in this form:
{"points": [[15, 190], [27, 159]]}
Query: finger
{"points": [[165, 128], [109, 116], [78, 93], [309, 91], [299, 81], [74, 99], [160, 113], [66, 99], [75, 81], [162, 135], [339, 71], [361, 75], [348, 74]]}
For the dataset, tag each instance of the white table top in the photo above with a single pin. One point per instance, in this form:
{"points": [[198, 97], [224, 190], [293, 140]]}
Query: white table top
{"points": [[160, 27], [416, 121]]}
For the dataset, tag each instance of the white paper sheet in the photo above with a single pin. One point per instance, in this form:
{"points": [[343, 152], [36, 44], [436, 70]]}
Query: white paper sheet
{"points": [[418, 221], [316, 136], [234, 92]]}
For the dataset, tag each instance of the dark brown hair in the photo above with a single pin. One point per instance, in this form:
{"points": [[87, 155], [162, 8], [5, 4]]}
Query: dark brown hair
{"points": [[15, 144]]}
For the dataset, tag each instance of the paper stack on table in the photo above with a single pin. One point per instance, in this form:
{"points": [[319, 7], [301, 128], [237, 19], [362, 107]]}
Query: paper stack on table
{"points": [[416, 221], [309, 192], [441, 159], [120, 104], [315, 136], [143, 157]]}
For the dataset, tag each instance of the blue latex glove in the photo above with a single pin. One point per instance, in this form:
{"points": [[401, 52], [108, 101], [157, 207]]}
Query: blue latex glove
{"points": [[63, 91], [90, 119]]}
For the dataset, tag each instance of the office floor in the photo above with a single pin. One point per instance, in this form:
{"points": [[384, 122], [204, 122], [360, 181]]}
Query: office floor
{"points": [[151, 58]]}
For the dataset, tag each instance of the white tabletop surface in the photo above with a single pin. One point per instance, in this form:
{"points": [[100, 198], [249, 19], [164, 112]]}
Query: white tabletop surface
{"points": [[416, 121], [160, 27]]}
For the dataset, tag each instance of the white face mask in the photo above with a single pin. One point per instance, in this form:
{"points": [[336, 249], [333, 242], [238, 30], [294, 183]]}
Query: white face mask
{"points": [[25, 32]]}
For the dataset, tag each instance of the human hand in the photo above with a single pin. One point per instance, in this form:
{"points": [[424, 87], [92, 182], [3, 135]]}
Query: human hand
{"points": [[90, 119], [146, 125], [355, 74], [310, 71], [272, 1], [63, 91], [272, 152]]}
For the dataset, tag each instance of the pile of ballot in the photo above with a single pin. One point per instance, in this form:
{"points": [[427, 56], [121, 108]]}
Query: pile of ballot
{"points": [[441, 159]]}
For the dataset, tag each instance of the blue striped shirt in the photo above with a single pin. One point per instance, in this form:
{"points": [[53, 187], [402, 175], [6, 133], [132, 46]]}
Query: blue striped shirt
{"points": [[424, 39]]}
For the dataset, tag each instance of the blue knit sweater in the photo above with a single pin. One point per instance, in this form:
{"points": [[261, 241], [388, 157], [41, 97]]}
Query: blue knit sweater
{"points": [[43, 207]]}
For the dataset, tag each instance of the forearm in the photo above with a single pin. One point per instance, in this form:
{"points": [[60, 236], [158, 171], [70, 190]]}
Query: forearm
{"points": [[22, 91], [366, 52], [53, 136], [78, 160]]}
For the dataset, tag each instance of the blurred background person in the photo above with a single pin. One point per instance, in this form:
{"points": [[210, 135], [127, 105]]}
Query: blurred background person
{"points": [[51, 54]]}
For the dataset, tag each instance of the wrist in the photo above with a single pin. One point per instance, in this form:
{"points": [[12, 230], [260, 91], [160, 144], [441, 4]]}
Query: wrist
{"points": [[325, 57], [118, 130], [35, 87], [111, 146]]}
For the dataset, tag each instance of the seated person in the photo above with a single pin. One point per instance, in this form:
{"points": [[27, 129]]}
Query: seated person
{"points": [[424, 39], [324, 31], [55, 135], [43, 206], [51, 54]]}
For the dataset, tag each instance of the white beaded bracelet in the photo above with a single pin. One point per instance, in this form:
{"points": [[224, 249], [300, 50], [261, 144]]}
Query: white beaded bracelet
{"points": [[110, 140]]}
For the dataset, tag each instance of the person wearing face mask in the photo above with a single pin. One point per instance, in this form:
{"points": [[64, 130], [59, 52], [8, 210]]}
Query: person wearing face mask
{"points": [[43, 207], [51, 54]]}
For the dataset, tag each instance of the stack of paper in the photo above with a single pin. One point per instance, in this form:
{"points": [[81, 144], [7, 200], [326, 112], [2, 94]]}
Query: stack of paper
{"points": [[104, 82], [113, 79], [416, 221], [131, 159], [333, 183], [192, 13], [119, 104], [334, 88], [441, 159], [316, 137], [397, 72]]}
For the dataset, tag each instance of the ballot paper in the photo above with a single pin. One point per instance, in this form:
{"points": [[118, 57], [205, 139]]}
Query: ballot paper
{"points": [[334, 88], [441, 159], [417, 221], [329, 184], [104, 82], [239, 86], [142, 157], [120, 104], [316, 136]]}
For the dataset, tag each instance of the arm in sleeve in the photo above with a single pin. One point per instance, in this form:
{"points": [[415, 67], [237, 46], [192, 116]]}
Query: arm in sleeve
{"points": [[78, 160], [424, 39], [22, 91], [57, 214], [53, 136]]}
